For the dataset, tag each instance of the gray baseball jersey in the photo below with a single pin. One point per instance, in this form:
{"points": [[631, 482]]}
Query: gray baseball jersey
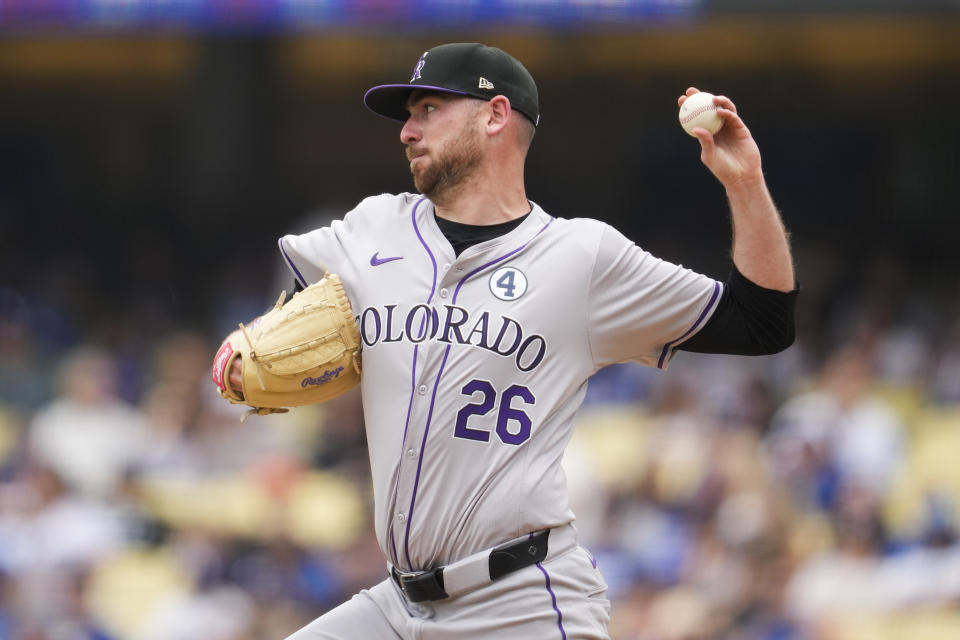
{"points": [[474, 366]]}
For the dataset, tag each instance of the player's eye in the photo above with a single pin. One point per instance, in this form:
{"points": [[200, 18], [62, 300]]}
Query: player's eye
{"points": [[430, 108]]}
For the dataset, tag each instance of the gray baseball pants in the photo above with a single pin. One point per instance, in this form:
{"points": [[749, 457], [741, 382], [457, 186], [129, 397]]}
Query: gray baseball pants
{"points": [[562, 598]]}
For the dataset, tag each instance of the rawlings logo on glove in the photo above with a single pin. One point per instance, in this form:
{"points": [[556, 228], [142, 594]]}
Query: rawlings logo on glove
{"points": [[326, 377], [303, 352]]}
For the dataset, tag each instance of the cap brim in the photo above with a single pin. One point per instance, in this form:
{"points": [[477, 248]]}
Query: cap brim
{"points": [[390, 100]]}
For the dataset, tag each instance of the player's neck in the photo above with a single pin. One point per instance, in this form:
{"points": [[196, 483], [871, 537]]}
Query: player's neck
{"points": [[482, 200]]}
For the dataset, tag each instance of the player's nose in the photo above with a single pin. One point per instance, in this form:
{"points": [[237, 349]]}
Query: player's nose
{"points": [[410, 132]]}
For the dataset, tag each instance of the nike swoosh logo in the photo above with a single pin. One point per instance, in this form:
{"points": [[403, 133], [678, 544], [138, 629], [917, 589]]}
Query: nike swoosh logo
{"points": [[376, 261]]}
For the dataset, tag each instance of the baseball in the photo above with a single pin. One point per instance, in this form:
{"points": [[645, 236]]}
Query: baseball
{"points": [[698, 110]]}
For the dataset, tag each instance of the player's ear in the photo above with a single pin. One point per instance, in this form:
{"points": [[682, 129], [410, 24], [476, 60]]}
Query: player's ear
{"points": [[499, 114]]}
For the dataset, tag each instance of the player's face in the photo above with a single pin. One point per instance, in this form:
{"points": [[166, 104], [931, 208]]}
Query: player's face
{"points": [[442, 138]]}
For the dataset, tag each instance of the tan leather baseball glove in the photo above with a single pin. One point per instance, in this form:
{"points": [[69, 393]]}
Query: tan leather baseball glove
{"points": [[302, 352]]}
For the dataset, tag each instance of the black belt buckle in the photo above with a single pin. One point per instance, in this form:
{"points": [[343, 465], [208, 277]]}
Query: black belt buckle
{"points": [[515, 556], [421, 586]]}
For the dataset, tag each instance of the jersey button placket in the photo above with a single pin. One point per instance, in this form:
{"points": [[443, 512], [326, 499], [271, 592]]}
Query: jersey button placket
{"points": [[408, 468], [428, 363]]}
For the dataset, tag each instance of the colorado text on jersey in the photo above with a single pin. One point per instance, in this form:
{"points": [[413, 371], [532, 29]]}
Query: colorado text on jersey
{"points": [[501, 335]]}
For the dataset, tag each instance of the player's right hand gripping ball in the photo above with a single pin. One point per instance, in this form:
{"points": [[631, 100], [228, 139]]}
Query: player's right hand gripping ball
{"points": [[698, 110], [303, 352]]}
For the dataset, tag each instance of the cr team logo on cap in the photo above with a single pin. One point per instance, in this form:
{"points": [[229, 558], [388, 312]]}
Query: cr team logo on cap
{"points": [[422, 61]]}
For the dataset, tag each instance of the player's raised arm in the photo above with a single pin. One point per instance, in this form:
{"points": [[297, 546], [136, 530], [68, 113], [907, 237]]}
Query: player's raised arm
{"points": [[761, 248]]}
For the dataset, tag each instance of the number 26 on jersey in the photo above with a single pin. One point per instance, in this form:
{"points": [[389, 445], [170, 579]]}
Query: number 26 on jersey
{"points": [[512, 425]]}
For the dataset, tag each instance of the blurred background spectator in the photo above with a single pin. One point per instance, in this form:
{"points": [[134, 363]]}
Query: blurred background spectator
{"points": [[151, 154]]}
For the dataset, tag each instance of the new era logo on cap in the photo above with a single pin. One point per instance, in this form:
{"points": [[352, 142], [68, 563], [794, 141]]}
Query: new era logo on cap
{"points": [[466, 69]]}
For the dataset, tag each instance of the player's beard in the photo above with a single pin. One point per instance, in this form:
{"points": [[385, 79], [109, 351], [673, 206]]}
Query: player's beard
{"points": [[450, 165]]}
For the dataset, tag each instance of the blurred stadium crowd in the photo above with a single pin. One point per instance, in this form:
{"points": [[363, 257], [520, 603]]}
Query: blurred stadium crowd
{"points": [[809, 495]]}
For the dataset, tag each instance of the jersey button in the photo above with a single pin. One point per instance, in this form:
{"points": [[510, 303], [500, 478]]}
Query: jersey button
{"points": [[423, 389], [443, 293], [401, 517], [412, 453]]}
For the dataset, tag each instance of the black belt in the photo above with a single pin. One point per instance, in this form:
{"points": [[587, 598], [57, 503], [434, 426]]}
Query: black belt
{"points": [[428, 585]]}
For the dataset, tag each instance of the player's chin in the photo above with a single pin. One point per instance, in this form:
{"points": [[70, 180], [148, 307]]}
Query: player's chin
{"points": [[422, 178], [426, 183], [422, 186]]}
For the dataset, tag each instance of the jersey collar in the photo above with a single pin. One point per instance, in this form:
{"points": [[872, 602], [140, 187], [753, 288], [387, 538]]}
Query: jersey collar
{"points": [[531, 226]]}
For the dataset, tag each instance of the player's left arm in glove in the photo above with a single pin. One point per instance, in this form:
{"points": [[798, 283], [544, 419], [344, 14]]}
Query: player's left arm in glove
{"points": [[303, 351]]}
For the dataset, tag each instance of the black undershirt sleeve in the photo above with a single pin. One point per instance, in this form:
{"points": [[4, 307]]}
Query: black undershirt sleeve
{"points": [[750, 320]]}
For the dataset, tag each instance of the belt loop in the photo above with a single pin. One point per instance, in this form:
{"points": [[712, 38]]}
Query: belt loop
{"points": [[513, 557]]}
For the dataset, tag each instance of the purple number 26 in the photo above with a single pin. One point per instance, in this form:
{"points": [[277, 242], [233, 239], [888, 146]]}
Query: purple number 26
{"points": [[506, 413]]}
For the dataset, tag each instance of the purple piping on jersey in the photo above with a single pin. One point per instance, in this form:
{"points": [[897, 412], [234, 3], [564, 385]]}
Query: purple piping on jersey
{"points": [[553, 598], [703, 314], [500, 259], [433, 261], [290, 264], [436, 383], [413, 385]]}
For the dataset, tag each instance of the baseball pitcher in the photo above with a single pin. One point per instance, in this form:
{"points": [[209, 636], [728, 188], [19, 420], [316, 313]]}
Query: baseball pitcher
{"points": [[480, 318]]}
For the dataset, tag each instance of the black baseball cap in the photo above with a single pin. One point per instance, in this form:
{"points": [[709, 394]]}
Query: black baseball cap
{"points": [[464, 68]]}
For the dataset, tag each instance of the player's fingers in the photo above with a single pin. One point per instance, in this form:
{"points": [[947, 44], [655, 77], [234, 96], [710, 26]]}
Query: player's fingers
{"points": [[725, 102], [731, 122], [727, 115], [689, 92], [236, 376], [707, 144]]}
